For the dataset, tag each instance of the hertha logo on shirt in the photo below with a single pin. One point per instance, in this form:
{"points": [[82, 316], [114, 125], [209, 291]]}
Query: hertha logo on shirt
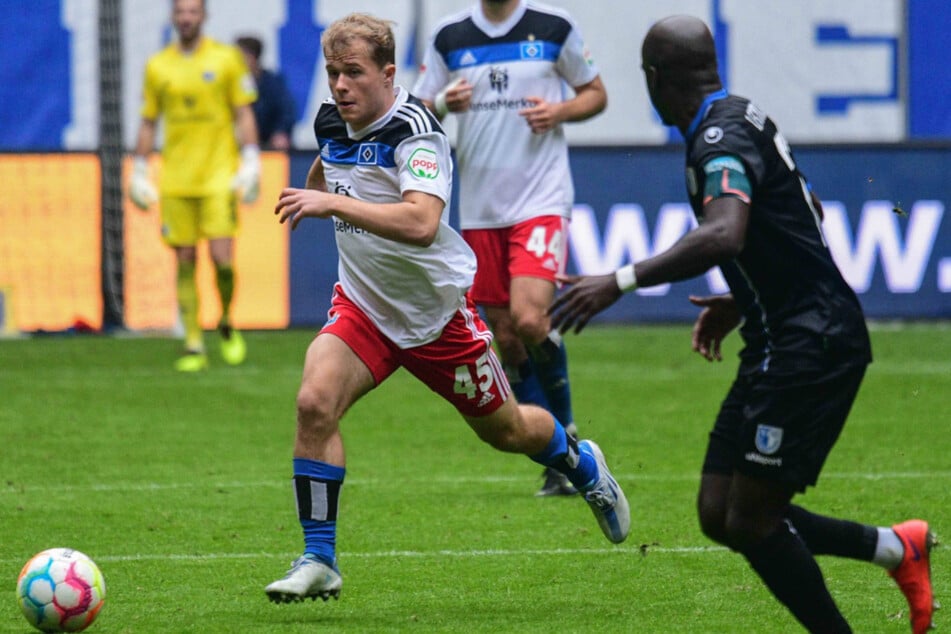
{"points": [[424, 164]]}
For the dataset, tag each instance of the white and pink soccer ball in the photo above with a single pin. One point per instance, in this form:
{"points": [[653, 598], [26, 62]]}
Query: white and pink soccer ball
{"points": [[60, 590]]}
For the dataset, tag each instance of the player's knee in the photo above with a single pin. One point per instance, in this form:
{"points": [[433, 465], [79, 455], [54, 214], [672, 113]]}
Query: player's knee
{"points": [[501, 439], [531, 326], [509, 345], [315, 410], [743, 531], [504, 431]]}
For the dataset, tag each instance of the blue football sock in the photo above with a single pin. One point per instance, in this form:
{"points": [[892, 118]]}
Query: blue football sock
{"points": [[551, 366], [525, 384], [317, 489], [562, 455]]}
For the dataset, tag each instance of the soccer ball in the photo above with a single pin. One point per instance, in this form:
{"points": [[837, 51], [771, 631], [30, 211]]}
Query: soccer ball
{"points": [[60, 590]]}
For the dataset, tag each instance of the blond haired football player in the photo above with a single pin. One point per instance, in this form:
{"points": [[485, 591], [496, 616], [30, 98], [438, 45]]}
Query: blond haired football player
{"points": [[383, 180], [203, 91]]}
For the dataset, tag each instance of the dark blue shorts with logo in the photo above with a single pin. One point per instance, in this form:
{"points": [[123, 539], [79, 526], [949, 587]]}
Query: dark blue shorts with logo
{"points": [[782, 426]]}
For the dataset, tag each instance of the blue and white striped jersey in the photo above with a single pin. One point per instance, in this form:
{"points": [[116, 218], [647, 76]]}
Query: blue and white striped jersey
{"points": [[409, 292], [508, 174]]}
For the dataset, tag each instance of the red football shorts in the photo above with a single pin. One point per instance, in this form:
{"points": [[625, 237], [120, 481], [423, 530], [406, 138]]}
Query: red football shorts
{"points": [[460, 366], [533, 248]]}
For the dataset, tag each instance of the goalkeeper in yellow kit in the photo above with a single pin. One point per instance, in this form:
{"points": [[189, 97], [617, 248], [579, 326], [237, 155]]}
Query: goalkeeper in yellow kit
{"points": [[203, 91]]}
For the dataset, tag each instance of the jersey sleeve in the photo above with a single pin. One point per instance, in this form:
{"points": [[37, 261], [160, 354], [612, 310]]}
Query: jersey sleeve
{"points": [[242, 88], [433, 74], [425, 165], [150, 96], [725, 176], [574, 63], [728, 138]]}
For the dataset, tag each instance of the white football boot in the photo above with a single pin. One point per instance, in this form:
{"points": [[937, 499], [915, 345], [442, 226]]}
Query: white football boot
{"points": [[308, 578], [606, 498]]}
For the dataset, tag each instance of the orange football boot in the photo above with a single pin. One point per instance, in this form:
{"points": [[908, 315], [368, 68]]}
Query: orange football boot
{"points": [[913, 574]]}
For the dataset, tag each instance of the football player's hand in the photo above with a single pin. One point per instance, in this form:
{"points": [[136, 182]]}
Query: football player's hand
{"points": [[141, 190], [247, 182], [295, 204], [542, 116], [587, 297], [719, 316], [454, 97]]}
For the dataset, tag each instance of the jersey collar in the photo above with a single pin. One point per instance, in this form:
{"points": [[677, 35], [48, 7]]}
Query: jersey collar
{"points": [[704, 110], [202, 42], [493, 29]]}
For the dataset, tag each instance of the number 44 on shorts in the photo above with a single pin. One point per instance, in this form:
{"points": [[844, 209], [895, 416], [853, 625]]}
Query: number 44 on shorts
{"points": [[540, 246]]}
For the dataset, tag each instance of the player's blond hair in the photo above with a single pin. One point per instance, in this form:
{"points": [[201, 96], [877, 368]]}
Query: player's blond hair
{"points": [[377, 33]]}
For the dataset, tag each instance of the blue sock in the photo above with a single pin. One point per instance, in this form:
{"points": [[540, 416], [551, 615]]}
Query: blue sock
{"points": [[317, 490], [551, 366], [562, 455], [525, 384]]}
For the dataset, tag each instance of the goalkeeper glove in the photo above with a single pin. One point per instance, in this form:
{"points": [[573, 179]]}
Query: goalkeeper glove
{"points": [[247, 180], [141, 190]]}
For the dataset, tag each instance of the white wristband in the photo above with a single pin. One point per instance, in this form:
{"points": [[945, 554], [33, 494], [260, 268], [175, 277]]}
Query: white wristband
{"points": [[442, 108], [439, 103], [625, 278], [250, 152]]}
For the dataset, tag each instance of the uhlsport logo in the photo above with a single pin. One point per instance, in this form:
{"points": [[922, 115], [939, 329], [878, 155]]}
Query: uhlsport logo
{"points": [[423, 164]]}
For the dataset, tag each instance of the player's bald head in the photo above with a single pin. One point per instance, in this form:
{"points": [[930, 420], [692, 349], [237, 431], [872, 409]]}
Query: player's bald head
{"points": [[680, 43], [679, 60]]}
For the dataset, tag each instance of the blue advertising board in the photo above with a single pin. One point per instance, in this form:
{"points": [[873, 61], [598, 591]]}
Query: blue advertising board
{"points": [[885, 224]]}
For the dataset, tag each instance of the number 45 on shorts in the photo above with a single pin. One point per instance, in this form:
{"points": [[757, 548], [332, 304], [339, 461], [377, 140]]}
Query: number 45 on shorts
{"points": [[478, 386]]}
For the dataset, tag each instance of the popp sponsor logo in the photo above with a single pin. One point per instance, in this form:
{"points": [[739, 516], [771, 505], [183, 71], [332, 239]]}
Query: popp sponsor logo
{"points": [[424, 164]]}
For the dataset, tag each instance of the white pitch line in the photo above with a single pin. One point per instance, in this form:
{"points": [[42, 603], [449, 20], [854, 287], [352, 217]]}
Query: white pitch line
{"points": [[420, 554], [18, 487]]}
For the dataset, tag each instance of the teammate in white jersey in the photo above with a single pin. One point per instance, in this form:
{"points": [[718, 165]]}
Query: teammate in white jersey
{"points": [[383, 177], [503, 68]]}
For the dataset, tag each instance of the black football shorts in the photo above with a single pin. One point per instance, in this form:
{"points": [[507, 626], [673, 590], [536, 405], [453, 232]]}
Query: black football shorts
{"points": [[782, 427]]}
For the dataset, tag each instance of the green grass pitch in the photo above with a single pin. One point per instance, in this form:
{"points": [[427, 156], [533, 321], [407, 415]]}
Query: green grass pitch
{"points": [[179, 487]]}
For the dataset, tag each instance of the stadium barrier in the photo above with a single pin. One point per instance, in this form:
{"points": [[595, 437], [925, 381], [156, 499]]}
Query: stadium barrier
{"points": [[50, 252], [885, 223]]}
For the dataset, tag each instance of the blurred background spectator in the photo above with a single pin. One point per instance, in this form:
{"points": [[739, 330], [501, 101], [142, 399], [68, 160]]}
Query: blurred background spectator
{"points": [[274, 110]]}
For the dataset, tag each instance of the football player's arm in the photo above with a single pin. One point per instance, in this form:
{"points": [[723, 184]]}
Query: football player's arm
{"points": [[145, 139], [414, 220], [590, 99], [456, 96], [248, 179], [718, 239], [435, 89], [315, 176], [720, 315], [245, 126]]}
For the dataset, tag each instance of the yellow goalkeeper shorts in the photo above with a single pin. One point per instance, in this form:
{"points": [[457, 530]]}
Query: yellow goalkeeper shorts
{"points": [[186, 220]]}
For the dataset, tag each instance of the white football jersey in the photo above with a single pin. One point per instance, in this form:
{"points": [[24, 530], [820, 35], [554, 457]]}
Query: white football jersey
{"points": [[409, 292], [508, 174]]}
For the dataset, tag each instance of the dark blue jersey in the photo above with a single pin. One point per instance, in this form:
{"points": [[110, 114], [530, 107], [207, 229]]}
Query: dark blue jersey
{"points": [[798, 309]]}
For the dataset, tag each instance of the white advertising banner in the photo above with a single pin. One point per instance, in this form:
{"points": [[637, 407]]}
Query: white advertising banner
{"points": [[827, 71]]}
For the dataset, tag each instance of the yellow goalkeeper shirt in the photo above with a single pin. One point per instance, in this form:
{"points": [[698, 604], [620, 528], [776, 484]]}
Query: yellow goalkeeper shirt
{"points": [[196, 94]]}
